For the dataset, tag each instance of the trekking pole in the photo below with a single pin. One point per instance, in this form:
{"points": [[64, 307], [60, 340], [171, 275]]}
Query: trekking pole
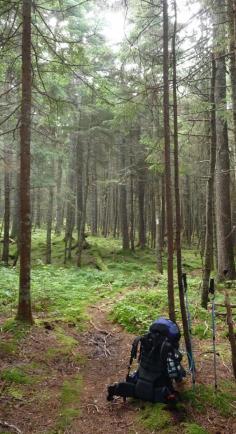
{"points": [[190, 356], [211, 291]]}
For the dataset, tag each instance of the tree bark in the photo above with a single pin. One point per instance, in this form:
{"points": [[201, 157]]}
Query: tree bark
{"points": [[141, 199], [81, 236], [208, 250], [123, 200], [177, 198], [169, 208], [231, 332], [24, 312], [49, 225], [59, 201], [232, 57], [7, 193], [223, 200]]}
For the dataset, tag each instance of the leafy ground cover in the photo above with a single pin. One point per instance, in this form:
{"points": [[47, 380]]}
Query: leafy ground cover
{"points": [[46, 364]]}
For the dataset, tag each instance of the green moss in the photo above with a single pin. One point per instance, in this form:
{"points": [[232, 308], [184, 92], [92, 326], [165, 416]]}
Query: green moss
{"points": [[155, 417], [15, 392], [202, 331], [70, 402], [193, 428], [67, 341], [8, 347], [71, 391], [17, 329], [203, 397], [15, 375], [67, 415]]}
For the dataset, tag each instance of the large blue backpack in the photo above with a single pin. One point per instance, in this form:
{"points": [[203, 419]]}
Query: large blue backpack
{"points": [[158, 364]]}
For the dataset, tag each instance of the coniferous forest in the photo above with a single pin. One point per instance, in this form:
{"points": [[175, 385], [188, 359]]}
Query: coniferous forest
{"points": [[117, 207]]}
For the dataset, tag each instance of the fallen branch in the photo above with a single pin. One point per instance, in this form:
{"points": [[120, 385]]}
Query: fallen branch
{"points": [[8, 425], [105, 332]]}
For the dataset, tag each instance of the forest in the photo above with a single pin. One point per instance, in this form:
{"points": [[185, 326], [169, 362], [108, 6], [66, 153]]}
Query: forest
{"points": [[117, 208]]}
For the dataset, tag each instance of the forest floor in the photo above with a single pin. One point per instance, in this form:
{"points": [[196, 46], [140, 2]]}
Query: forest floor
{"points": [[54, 375]]}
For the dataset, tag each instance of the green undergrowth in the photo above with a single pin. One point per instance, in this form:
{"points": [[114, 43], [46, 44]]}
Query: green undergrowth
{"points": [[15, 375], [155, 417], [193, 428], [70, 402], [64, 292], [203, 397]]}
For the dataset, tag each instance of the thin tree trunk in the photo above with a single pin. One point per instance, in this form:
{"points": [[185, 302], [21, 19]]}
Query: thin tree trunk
{"points": [[59, 202], [79, 184], [141, 202], [159, 245], [83, 217], [24, 312], [169, 208], [208, 250], [131, 197], [38, 209], [15, 220], [177, 197], [49, 225], [123, 201], [7, 192]]}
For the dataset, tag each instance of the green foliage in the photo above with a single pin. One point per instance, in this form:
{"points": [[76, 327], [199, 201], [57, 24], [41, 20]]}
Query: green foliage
{"points": [[17, 329], [70, 401], [15, 375], [138, 308], [155, 417], [193, 428], [203, 397], [202, 331]]}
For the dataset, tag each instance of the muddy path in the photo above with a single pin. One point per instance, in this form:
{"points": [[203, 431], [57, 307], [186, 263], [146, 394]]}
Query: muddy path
{"points": [[107, 349]]}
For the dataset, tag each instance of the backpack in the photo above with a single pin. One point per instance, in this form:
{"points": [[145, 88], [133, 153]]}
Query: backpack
{"points": [[158, 364]]}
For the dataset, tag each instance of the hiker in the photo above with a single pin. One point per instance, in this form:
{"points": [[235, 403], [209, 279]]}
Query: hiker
{"points": [[158, 365]]}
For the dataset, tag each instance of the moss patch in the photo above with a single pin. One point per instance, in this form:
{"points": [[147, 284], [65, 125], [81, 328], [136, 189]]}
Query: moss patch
{"points": [[155, 417], [15, 375], [70, 401], [193, 428], [204, 396]]}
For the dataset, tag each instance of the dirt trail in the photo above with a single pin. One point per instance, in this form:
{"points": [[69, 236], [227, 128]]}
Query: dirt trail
{"points": [[107, 348]]}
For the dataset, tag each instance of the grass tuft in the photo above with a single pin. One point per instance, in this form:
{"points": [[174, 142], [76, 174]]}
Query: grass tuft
{"points": [[155, 417]]}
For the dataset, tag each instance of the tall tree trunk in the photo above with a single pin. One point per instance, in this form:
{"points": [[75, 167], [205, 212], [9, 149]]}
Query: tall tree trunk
{"points": [[169, 207], [38, 209], [79, 184], [81, 236], [159, 244], [187, 213], [123, 200], [59, 201], [49, 225], [232, 50], [141, 202], [94, 194], [7, 192], [131, 196], [208, 250], [24, 312], [15, 217], [223, 200], [177, 198], [70, 206]]}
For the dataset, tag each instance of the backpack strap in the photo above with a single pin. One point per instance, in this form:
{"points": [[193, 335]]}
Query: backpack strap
{"points": [[133, 353]]}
